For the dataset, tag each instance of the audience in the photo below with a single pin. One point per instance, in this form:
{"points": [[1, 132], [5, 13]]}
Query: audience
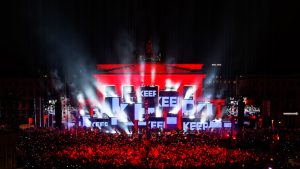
{"points": [[86, 148]]}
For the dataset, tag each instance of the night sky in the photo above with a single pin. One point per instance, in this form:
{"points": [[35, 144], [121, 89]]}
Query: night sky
{"points": [[247, 37]]}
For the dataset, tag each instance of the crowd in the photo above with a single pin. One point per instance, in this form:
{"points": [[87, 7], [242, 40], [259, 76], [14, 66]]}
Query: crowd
{"points": [[85, 148]]}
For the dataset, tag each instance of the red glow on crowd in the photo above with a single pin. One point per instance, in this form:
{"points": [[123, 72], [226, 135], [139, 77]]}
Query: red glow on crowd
{"points": [[165, 149]]}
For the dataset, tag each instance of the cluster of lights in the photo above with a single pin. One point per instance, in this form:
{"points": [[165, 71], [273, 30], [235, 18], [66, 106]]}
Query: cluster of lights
{"points": [[216, 64], [249, 110]]}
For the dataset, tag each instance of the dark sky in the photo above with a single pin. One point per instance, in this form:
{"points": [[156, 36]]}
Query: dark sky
{"points": [[245, 36]]}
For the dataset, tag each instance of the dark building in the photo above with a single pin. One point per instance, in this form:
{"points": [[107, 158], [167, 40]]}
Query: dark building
{"points": [[274, 94], [21, 98], [278, 95]]}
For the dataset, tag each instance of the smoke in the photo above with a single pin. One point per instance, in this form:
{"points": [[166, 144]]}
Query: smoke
{"points": [[80, 98], [125, 48], [171, 86], [57, 82], [72, 67], [208, 87]]}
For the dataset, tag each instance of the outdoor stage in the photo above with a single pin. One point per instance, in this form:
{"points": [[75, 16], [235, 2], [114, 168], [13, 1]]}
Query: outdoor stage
{"points": [[157, 95]]}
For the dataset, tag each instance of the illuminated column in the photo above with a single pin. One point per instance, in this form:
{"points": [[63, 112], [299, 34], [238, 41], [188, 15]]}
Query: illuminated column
{"points": [[91, 111], [146, 104], [179, 119], [218, 103], [179, 115], [198, 92], [119, 90], [135, 122], [218, 116]]}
